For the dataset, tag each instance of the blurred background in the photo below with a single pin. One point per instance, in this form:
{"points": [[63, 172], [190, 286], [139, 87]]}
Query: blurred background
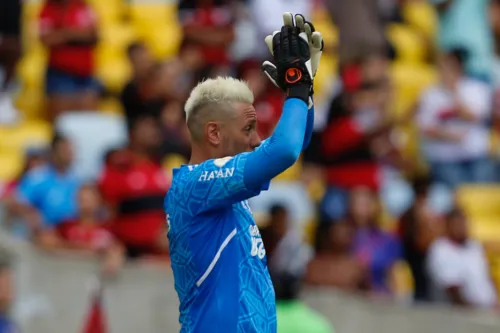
{"points": [[396, 201]]}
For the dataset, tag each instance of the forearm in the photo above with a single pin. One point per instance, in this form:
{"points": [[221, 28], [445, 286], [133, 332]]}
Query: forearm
{"points": [[282, 149], [309, 128]]}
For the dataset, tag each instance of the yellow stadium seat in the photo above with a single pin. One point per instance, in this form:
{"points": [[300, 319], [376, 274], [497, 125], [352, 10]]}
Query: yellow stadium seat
{"points": [[19, 137], [117, 35], [409, 81], [485, 229], [31, 102], [480, 201], [403, 280], [31, 68], [113, 68], [422, 16], [157, 24], [410, 46], [108, 11], [11, 164], [111, 105]]}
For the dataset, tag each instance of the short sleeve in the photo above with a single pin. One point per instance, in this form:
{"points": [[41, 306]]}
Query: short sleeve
{"points": [[479, 99], [218, 183], [426, 115], [443, 267], [30, 188]]}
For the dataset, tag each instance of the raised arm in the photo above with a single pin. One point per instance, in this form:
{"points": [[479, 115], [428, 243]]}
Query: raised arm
{"points": [[282, 149]]}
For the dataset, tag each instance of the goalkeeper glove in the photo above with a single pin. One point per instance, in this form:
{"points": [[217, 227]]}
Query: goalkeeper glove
{"points": [[315, 43]]}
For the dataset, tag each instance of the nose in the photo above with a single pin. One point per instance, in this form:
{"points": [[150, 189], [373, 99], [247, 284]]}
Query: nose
{"points": [[255, 141]]}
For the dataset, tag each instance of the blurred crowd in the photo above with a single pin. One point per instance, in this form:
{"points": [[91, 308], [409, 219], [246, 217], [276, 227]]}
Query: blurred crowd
{"points": [[373, 196]]}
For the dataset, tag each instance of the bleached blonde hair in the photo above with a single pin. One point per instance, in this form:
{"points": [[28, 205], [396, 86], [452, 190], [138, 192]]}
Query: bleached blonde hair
{"points": [[219, 91]]}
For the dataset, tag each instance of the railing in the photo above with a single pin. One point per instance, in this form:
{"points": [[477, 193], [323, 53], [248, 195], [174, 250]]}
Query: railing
{"points": [[53, 297]]}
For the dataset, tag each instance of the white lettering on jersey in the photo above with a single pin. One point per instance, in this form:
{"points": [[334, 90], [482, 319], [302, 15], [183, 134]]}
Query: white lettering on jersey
{"points": [[216, 174], [257, 244]]}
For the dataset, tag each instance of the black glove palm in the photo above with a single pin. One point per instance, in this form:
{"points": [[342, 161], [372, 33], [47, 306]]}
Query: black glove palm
{"points": [[292, 62]]}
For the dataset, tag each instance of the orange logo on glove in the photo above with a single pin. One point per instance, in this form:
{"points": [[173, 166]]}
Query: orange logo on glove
{"points": [[293, 75]]}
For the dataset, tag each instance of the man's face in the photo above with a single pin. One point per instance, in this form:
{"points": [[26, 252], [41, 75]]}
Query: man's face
{"points": [[63, 153], [146, 134], [457, 228], [239, 133], [141, 61]]}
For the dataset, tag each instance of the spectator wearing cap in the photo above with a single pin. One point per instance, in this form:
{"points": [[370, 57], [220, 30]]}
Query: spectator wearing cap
{"points": [[46, 195], [133, 186], [452, 119], [68, 28], [458, 267]]}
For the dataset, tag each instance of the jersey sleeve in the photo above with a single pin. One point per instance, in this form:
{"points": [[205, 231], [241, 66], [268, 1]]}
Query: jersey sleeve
{"points": [[218, 183]]}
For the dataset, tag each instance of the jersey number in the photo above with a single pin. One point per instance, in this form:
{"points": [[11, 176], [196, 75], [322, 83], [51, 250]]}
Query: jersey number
{"points": [[258, 248]]}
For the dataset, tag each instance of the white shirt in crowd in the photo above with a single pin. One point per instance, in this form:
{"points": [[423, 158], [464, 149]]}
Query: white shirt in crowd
{"points": [[435, 110], [464, 266]]}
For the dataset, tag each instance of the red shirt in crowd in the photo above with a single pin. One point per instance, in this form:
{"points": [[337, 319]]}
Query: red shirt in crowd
{"points": [[344, 141], [268, 111], [210, 17], [94, 236], [135, 187], [75, 14]]}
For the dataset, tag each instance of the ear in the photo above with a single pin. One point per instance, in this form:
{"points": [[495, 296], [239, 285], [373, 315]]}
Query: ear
{"points": [[213, 133]]}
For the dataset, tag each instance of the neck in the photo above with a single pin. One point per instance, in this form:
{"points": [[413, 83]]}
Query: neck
{"points": [[200, 154], [61, 168]]}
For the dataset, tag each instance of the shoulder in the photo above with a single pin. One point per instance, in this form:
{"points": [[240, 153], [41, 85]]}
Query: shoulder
{"points": [[38, 175], [476, 88]]}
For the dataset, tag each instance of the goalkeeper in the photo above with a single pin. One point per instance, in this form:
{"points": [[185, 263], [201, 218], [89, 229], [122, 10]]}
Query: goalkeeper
{"points": [[217, 255]]}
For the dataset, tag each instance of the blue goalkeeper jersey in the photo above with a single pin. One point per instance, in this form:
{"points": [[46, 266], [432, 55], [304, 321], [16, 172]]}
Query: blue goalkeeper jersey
{"points": [[217, 254]]}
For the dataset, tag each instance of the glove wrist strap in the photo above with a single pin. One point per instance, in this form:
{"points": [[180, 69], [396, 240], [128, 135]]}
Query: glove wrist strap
{"points": [[300, 91]]}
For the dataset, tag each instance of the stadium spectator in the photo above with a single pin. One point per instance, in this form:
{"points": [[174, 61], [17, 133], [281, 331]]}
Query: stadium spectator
{"points": [[175, 132], [35, 157], [465, 24], [46, 195], [268, 99], [335, 265], [458, 266], [285, 249], [360, 27], [452, 119], [133, 185], [135, 97], [418, 228], [216, 19], [375, 249], [357, 123], [6, 297], [68, 28], [86, 235], [10, 51]]}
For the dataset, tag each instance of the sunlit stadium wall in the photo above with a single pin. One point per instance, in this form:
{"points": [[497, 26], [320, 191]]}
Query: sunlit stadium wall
{"points": [[54, 297]]}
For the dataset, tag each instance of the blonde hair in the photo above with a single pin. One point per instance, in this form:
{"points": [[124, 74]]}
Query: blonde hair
{"points": [[218, 91]]}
